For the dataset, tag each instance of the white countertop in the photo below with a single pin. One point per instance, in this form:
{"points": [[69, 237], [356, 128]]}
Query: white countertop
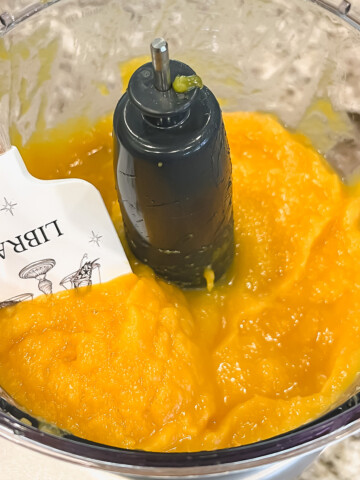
{"points": [[19, 463], [338, 462]]}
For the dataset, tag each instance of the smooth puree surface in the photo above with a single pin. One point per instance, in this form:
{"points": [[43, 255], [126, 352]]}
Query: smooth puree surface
{"points": [[139, 364]]}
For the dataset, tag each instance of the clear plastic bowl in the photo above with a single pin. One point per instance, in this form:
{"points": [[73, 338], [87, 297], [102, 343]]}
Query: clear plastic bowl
{"points": [[298, 60]]}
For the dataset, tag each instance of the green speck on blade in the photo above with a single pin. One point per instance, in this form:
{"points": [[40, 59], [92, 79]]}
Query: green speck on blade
{"points": [[183, 83]]}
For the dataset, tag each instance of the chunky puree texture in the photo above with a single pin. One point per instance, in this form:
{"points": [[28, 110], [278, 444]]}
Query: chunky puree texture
{"points": [[137, 363]]}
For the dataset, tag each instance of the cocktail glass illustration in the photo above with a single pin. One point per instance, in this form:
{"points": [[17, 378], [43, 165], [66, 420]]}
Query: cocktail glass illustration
{"points": [[83, 276], [10, 302], [38, 270]]}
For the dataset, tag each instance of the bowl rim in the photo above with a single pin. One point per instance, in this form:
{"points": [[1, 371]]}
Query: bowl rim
{"points": [[10, 20], [315, 435]]}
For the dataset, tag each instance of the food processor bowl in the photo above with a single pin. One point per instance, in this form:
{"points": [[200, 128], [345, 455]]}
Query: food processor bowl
{"points": [[298, 60]]}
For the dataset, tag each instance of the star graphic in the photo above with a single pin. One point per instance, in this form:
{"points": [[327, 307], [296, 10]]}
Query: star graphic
{"points": [[8, 206], [95, 238]]}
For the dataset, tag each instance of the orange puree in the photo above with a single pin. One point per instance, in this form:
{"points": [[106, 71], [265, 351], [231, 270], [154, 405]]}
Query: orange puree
{"points": [[137, 363]]}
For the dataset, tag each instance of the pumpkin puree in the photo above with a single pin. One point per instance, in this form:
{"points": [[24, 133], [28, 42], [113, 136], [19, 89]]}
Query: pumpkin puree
{"points": [[137, 363]]}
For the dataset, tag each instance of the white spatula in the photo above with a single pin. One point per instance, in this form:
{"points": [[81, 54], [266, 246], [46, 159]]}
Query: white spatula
{"points": [[54, 235]]}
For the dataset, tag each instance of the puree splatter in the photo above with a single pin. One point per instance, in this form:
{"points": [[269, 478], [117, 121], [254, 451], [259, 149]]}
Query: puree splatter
{"points": [[137, 363]]}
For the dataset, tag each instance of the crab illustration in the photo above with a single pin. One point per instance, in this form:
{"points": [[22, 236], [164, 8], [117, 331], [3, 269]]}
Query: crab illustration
{"points": [[83, 276]]}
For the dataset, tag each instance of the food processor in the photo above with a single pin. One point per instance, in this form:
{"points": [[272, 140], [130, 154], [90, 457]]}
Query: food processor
{"points": [[298, 60]]}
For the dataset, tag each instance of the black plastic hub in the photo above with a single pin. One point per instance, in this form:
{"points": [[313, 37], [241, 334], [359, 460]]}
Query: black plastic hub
{"points": [[173, 172]]}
